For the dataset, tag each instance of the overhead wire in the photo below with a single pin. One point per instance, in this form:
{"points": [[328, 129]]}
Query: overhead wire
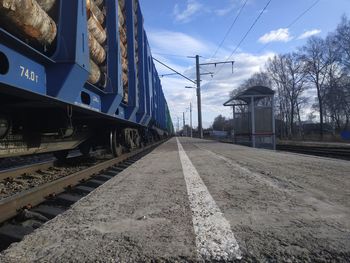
{"points": [[230, 28], [294, 21], [245, 35], [178, 73]]}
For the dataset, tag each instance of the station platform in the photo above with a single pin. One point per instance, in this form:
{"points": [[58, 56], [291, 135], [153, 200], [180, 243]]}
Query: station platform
{"points": [[194, 200]]}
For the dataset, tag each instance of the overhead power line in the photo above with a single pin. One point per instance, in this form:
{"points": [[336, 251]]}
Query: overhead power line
{"points": [[174, 70], [303, 13], [294, 21], [246, 34], [230, 28]]}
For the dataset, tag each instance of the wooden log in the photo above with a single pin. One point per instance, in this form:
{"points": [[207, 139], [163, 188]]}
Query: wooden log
{"points": [[121, 17], [124, 62], [122, 34], [122, 4], [29, 19], [125, 78], [46, 5], [93, 8], [96, 29], [123, 50], [97, 53], [99, 2], [95, 73]]}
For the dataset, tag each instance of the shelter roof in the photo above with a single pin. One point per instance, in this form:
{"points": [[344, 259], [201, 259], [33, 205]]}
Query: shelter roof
{"points": [[258, 92]]}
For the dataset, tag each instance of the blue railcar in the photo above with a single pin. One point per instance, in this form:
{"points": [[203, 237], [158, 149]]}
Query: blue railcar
{"points": [[83, 75]]}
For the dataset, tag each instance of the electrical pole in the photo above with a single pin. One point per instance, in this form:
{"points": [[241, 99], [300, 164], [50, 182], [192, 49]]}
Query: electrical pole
{"points": [[191, 117], [178, 124], [199, 100], [198, 82], [183, 114]]}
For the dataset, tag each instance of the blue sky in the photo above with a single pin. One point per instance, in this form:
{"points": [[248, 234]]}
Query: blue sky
{"points": [[180, 28]]}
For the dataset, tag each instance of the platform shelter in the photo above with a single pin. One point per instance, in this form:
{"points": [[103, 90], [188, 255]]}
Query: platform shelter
{"points": [[253, 117]]}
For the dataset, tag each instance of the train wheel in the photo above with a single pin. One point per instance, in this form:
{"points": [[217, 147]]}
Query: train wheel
{"points": [[115, 146], [61, 155], [5, 126], [85, 148]]}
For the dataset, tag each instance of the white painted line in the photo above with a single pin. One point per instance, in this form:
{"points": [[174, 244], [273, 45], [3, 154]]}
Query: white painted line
{"points": [[214, 239]]}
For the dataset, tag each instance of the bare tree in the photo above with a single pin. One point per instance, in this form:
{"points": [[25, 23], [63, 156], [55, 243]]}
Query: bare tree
{"points": [[289, 77], [342, 41], [315, 66], [342, 37], [257, 79]]}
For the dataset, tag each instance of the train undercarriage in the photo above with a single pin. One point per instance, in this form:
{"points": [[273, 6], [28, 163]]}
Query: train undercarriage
{"points": [[33, 127]]}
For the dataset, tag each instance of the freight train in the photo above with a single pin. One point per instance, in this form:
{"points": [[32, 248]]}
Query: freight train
{"points": [[76, 74]]}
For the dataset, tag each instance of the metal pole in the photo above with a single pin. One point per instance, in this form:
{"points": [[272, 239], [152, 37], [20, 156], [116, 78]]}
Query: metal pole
{"points": [[183, 116], [191, 117], [233, 123], [273, 122], [253, 120], [199, 103], [178, 124]]}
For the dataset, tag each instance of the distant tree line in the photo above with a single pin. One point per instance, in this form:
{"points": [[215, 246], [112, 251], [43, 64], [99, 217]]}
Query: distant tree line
{"points": [[321, 66], [222, 123]]}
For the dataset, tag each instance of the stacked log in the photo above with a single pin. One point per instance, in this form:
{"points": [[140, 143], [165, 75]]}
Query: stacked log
{"points": [[136, 44], [123, 48], [29, 20], [46, 5], [97, 39]]}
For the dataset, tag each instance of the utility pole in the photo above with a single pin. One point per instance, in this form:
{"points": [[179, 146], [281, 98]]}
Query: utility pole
{"points": [[198, 82], [191, 118], [199, 100], [178, 124], [183, 114]]}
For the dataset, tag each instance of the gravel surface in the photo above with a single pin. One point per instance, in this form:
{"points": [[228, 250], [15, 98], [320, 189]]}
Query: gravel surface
{"points": [[142, 215], [281, 207], [13, 186]]}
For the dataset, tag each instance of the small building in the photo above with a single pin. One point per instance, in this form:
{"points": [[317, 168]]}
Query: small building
{"points": [[253, 117]]}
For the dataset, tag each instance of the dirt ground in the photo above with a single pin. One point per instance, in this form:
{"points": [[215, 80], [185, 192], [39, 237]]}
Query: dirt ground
{"points": [[281, 207]]}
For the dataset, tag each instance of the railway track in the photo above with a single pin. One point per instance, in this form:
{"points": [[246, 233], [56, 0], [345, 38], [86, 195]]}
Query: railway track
{"points": [[25, 211], [336, 152], [11, 173], [331, 152]]}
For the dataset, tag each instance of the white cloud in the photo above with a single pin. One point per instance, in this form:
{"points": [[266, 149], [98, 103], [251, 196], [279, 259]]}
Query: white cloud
{"points": [[279, 35], [184, 16], [309, 33], [177, 43], [224, 11]]}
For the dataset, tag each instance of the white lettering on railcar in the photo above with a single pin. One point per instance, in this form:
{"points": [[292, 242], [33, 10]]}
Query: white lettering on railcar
{"points": [[29, 74]]}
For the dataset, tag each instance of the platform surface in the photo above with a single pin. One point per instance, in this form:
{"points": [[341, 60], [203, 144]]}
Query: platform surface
{"points": [[194, 200]]}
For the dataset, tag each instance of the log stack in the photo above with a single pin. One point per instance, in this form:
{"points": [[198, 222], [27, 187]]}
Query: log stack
{"points": [[123, 48], [29, 20], [136, 45], [97, 39]]}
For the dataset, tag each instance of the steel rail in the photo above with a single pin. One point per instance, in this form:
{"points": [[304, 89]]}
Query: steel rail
{"points": [[331, 152], [10, 206], [43, 165]]}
